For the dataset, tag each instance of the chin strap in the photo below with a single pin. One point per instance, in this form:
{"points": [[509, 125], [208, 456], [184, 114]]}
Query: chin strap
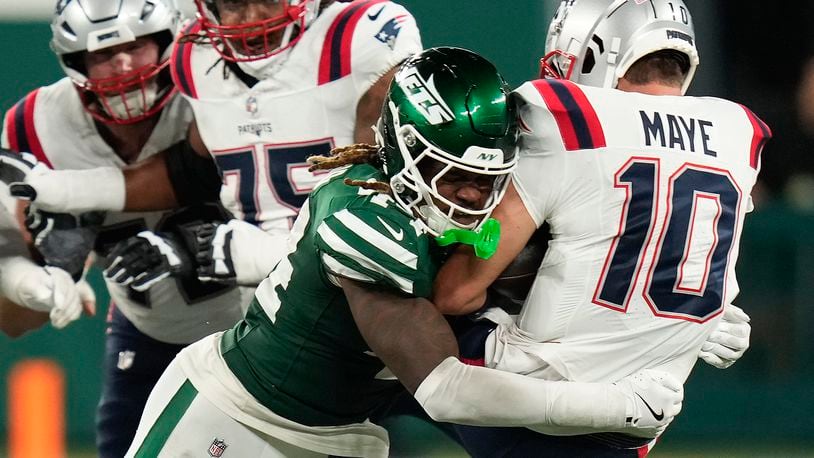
{"points": [[485, 240]]}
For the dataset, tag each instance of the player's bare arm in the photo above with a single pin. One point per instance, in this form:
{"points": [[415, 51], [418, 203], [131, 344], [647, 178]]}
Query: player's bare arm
{"points": [[149, 184], [460, 286], [16, 320], [408, 334]]}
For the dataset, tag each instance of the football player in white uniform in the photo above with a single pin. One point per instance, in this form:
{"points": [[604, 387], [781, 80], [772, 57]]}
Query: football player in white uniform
{"points": [[645, 193], [118, 106], [270, 83]]}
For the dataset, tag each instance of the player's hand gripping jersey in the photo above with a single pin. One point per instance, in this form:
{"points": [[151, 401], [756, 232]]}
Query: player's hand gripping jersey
{"points": [[665, 183], [261, 131], [300, 331], [51, 123]]}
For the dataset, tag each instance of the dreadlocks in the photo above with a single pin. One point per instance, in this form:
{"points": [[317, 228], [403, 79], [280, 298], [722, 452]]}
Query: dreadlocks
{"points": [[358, 153]]}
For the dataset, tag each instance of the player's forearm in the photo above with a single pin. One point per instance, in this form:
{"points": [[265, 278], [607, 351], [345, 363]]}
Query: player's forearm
{"points": [[16, 320], [148, 186], [456, 291], [407, 334], [458, 393]]}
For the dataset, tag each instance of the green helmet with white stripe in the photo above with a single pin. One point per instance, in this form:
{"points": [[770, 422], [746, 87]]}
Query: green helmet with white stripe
{"points": [[447, 105]]}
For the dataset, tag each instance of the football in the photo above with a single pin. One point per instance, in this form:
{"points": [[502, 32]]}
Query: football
{"points": [[514, 283]]}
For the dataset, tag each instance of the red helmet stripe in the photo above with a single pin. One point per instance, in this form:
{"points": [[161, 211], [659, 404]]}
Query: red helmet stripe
{"points": [[335, 61]]}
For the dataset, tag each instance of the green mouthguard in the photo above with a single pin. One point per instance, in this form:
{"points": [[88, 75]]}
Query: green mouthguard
{"points": [[484, 241]]}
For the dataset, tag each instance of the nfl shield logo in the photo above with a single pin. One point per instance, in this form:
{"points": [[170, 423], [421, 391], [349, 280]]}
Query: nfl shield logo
{"points": [[217, 448], [251, 105], [126, 360]]}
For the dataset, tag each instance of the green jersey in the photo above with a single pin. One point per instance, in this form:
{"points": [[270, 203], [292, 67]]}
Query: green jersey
{"points": [[298, 350]]}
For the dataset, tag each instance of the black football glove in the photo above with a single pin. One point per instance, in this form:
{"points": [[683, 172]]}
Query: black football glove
{"points": [[145, 259]]}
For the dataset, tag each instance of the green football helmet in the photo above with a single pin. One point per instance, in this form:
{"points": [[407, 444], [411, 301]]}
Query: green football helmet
{"points": [[452, 106]]}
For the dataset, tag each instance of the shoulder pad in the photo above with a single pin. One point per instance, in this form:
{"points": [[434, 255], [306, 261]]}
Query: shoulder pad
{"points": [[21, 132], [368, 37], [575, 117], [377, 244], [181, 59], [761, 133]]}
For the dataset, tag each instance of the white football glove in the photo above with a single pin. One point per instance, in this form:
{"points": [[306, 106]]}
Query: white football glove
{"points": [[729, 341], [63, 191], [654, 400], [44, 289], [237, 252]]}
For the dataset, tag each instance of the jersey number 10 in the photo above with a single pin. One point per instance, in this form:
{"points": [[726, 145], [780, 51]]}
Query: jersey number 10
{"points": [[685, 278]]}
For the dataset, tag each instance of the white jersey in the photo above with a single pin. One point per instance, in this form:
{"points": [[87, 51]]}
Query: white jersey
{"points": [[646, 198], [261, 132], [51, 123]]}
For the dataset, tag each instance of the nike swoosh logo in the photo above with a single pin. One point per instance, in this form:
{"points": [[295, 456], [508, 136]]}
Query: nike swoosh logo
{"points": [[398, 235], [373, 17], [658, 416]]}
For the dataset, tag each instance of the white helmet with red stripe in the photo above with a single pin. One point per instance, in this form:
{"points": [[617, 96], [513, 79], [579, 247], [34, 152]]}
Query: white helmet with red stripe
{"points": [[258, 40], [594, 42], [81, 26]]}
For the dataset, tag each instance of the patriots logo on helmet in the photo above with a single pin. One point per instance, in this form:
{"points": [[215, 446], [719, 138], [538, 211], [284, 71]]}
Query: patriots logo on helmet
{"points": [[217, 448], [390, 31]]}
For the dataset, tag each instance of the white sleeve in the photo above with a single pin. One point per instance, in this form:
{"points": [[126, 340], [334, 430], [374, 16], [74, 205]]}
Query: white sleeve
{"points": [[385, 37], [254, 251], [459, 393], [539, 174]]}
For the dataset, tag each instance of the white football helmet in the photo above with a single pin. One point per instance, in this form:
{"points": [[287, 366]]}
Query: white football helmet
{"points": [[81, 26], [594, 42]]}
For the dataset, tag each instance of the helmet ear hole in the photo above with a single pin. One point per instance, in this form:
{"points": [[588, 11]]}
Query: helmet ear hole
{"points": [[588, 62]]}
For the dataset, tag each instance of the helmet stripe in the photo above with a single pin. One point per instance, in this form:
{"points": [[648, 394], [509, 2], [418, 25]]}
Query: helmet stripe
{"points": [[335, 61], [761, 133], [578, 123]]}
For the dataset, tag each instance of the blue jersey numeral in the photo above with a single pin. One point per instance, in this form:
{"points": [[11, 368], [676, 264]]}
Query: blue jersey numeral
{"points": [[283, 163], [665, 290]]}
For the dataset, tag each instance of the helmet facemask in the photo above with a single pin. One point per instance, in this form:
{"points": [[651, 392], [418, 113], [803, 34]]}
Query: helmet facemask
{"points": [[259, 40], [419, 194], [127, 98]]}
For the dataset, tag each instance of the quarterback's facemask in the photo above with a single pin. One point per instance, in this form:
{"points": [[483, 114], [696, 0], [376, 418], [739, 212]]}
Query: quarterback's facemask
{"points": [[94, 25], [260, 39], [447, 118], [595, 42]]}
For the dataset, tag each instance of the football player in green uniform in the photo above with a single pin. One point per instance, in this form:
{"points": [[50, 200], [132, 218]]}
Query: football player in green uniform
{"points": [[342, 323]]}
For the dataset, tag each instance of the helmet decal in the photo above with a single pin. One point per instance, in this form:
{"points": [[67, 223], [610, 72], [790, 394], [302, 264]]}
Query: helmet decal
{"points": [[424, 96]]}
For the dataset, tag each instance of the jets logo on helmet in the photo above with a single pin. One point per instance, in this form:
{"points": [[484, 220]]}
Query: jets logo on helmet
{"points": [[424, 96], [447, 115]]}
